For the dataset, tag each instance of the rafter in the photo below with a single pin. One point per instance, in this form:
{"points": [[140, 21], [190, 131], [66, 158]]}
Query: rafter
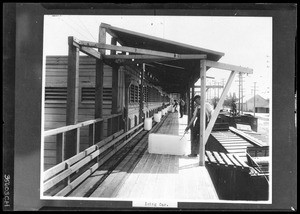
{"points": [[139, 56], [90, 51], [229, 67]]}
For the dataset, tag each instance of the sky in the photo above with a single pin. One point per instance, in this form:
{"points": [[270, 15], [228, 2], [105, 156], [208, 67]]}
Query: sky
{"points": [[245, 41]]}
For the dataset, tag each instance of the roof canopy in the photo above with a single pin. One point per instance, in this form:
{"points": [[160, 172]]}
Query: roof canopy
{"points": [[173, 74]]}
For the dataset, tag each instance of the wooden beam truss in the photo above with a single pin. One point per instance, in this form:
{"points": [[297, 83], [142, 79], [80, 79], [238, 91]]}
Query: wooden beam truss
{"points": [[206, 131], [229, 67], [141, 55], [82, 43]]}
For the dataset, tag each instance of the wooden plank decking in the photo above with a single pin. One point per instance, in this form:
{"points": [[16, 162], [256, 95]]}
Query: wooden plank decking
{"points": [[141, 175], [161, 177]]}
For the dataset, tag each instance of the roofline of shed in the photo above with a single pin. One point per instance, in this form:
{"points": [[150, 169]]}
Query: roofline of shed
{"points": [[107, 26]]}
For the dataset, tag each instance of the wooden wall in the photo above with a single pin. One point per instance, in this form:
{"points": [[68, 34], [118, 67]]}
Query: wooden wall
{"points": [[56, 94], [55, 99]]}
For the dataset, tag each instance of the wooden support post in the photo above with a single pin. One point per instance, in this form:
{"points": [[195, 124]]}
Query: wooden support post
{"points": [[122, 91], [72, 98], [127, 84], [219, 106], [193, 94], [187, 100], [192, 108], [115, 81], [115, 89], [141, 113], [99, 87], [202, 113]]}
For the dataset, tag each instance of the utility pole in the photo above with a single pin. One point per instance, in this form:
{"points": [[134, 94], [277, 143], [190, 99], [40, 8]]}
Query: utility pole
{"points": [[214, 82], [241, 82], [210, 90], [242, 91], [218, 90], [240, 74], [254, 99]]}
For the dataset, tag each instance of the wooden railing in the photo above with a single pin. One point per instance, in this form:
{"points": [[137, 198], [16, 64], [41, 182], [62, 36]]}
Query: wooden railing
{"points": [[114, 120], [84, 163], [68, 174]]}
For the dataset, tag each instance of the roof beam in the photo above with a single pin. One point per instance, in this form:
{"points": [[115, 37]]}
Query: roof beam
{"points": [[125, 49], [139, 56], [90, 51], [139, 50], [172, 66], [192, 56], [115, 36], [225, 66], [210, 86]]}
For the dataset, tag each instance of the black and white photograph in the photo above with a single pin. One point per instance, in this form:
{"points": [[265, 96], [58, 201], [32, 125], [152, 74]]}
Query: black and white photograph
{"points": [[138, 137], [150, 111]]}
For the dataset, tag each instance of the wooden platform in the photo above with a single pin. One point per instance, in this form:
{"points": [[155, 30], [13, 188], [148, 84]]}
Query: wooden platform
{"points": [[141, 175], [160, 177]]}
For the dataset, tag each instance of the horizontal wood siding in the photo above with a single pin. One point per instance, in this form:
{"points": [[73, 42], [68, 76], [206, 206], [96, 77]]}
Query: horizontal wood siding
{"points": [[55, 109]]}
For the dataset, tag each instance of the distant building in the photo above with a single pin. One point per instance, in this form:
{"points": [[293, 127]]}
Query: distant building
{"points": [[262, 105]]}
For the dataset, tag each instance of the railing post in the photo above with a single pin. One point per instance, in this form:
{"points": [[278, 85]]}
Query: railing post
{"points": [[92, 134], [111, 120], [77, 140], [115, 124], [60, 147], [119, 122], [68, 178]]}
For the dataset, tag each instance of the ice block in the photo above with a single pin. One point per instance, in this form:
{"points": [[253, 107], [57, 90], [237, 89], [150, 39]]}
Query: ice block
{"points": [[167, 144], [148, 124]]}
